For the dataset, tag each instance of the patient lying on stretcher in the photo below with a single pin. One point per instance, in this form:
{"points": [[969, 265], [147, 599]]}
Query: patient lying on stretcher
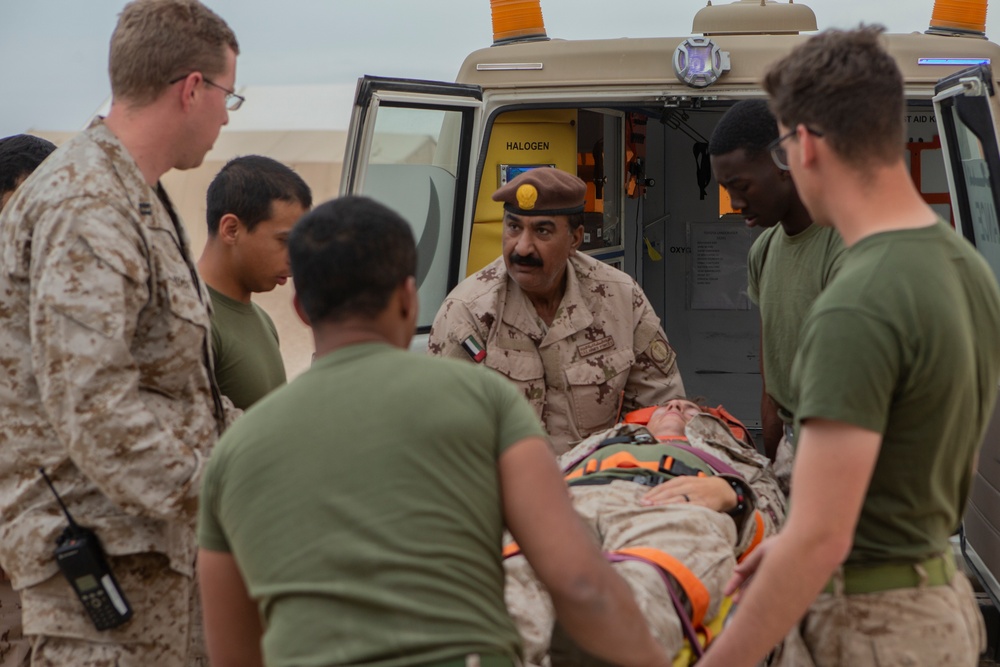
{"points": [[674, 504]]}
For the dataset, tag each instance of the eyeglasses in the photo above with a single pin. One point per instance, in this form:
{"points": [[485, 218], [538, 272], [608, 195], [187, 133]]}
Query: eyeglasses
{"points": [[778, 152], [233, 101]]}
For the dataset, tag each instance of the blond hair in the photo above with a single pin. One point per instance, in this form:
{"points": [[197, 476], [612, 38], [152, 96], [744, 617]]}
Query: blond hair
{"points": [[157, 41]]}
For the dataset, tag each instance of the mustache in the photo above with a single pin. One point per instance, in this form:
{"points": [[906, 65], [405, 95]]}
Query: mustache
{"points": [[525, 260]]}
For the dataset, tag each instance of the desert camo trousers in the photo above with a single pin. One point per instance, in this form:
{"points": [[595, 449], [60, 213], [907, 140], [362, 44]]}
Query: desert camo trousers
{"points": [[165, 630], [14, 647], [700, 538], [932, 626]]}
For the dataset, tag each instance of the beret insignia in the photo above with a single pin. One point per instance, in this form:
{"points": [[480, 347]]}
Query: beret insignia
{"points": [[527, 195]]}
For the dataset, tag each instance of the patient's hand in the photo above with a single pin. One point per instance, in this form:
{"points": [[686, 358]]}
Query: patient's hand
{"points": [[711, 492]]}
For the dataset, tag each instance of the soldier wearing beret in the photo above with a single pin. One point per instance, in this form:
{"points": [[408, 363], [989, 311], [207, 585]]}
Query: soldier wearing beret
{"points": [[578, 336]]}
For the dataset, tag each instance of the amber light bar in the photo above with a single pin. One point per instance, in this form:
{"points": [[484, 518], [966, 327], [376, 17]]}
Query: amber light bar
{"points": [[517, 20], [962, 16]]}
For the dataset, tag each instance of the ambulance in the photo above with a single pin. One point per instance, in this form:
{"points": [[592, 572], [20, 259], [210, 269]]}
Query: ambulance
{"points": [[632, 118]]}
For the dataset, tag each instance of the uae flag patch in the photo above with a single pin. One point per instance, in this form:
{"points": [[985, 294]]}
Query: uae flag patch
{"points": [[474, 349]]}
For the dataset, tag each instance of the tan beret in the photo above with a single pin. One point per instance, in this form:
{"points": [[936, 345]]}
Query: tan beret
{"points": [[543, 191]]}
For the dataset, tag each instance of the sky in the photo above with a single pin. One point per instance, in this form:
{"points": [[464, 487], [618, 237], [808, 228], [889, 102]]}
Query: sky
{"points": [[54, 52]]}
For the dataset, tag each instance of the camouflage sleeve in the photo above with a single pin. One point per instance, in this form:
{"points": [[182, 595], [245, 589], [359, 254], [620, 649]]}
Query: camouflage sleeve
{"points": [[770, 501], [453, 324], [766, 504], [766, 511], [89, 283], [654, 377], [230, 412]]}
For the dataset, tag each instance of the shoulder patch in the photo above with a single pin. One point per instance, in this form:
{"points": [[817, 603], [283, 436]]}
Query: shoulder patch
{"points": [[475, 350], [659, 350]]}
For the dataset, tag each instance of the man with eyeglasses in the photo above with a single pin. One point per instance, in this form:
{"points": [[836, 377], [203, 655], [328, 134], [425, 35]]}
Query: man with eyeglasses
{"points": [[233, 101], [789, 264], [104, 329], [893, 386]]}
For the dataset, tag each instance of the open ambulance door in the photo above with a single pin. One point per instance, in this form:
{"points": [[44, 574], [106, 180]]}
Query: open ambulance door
{"points": [[967, 112], [410, 146]]}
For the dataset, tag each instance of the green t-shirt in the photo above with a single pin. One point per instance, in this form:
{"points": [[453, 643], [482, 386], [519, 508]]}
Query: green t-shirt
{"points": [[903, 342], [248, 362], [785, 274], [362, 503]]}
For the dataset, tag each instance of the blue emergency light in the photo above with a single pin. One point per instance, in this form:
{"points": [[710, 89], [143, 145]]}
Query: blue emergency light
{"points": [[698, 62], [960, 62]]}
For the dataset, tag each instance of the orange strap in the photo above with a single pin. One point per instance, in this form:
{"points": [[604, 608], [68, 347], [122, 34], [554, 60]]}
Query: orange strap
{"points": [[643, 415], [624, 461], [758, 536], [695, 591], [640, 416], [509, 550], [618, 460], [735, 425]]}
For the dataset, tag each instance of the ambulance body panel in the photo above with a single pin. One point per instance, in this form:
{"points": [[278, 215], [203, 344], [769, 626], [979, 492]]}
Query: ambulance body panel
{"points": [[648, 61], [617, 114], [967, 112]]}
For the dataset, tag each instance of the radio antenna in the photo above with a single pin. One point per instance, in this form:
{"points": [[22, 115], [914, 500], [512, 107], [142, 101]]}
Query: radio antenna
{"points": [[69, 517]]}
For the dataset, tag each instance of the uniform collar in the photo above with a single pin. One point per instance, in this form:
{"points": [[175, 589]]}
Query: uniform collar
{"points": [[148, 207], [574, 313], [572, 316]]}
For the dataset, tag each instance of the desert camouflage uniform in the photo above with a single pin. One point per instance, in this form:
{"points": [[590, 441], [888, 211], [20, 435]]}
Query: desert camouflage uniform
{"points": [[103, 329], [705, 541], [14, 647], [605, 340], [904, 627]]}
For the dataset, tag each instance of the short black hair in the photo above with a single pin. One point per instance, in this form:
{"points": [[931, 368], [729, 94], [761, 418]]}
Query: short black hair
{"points": [[348, 256], [748, 124], [20, 154], [246, 188]]}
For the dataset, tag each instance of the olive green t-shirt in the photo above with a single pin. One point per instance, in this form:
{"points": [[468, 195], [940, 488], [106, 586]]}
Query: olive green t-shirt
{"points": [[248, 362], [785, 274], [362, 504], [904, 342]]}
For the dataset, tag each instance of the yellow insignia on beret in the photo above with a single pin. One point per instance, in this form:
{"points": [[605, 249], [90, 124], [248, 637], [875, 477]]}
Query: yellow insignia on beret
{"points": [[658, 350], [527, 195]]}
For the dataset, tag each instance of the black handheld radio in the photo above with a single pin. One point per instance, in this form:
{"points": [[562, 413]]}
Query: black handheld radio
{"points": [[81, 559]]}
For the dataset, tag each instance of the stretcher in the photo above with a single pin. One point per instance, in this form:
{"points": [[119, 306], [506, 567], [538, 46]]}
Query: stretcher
{"points": [[678, 580], [697, 637], [698, 631]]}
